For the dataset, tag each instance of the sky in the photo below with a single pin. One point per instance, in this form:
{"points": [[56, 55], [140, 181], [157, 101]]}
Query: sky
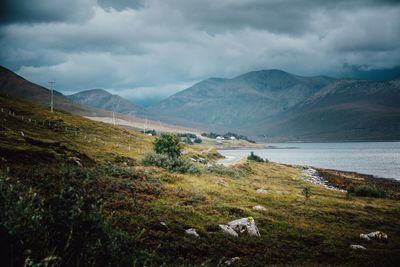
{"points": [[146, 50]]}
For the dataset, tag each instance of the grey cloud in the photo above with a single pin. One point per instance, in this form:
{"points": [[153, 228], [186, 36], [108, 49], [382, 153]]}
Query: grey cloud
{"points": [[150, 49], [120, 4]]}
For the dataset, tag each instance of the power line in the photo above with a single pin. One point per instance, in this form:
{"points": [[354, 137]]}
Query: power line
{"points": [[52, 93]]}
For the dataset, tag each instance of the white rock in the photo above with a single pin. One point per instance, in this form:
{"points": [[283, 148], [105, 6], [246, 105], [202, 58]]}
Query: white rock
{"points": [[261, 191], [259, 207], [164, 224], [192, 231], [244, 225], [357, 247], [227, 229], [374, 235], [365, 237], [231, 262]]}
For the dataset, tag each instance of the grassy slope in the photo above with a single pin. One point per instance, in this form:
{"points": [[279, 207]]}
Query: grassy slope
{"points": [[293, 230], [74, 134]]}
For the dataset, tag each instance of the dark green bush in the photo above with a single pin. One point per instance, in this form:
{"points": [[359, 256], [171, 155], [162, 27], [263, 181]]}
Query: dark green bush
{"points": [[254, 157], [198, 140], [168, 144], [174, 164], [306, 192], [366, 191]]}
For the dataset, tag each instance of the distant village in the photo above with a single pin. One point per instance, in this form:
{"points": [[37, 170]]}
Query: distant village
{"points": [[191, 138]]}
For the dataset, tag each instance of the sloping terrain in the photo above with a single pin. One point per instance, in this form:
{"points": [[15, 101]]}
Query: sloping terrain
{"points": [[100, 98], [32, 134], [110, 210], [15, 86]]}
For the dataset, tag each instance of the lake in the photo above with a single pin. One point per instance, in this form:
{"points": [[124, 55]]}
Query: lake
{"points": [[380, 159]]}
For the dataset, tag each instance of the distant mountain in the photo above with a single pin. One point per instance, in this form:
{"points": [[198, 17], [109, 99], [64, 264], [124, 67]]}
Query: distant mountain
{"points": [[15, 86], [240, 102], [283, 106], [345, 110], [100, 98]]}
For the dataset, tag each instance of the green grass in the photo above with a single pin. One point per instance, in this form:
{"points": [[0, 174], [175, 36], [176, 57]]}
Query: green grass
{"points": [[115, 206]]}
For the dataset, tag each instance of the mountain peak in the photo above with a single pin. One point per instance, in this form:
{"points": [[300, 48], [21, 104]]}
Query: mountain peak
{"points": [[98, 91], [100, 98]]}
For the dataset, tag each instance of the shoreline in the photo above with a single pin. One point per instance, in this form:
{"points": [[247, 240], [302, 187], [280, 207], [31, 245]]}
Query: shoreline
{"points": [[345, 179]]}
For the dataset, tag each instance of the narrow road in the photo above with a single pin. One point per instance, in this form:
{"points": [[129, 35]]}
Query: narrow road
{"points": [[230, 160]]}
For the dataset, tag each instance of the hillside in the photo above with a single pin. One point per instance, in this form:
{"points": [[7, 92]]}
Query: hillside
{"points": [[102, 99], [282, 106], [16, 86], [74, 192]]}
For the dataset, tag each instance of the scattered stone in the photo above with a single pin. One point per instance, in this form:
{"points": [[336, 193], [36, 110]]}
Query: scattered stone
{"points": [[240, 226], [365, 237], [192, 231], [227, 229], [164, 224], [357, 247], [261, 191], [374, 235], [22, 133], [230, 262], [312, 176], [259, 207]]}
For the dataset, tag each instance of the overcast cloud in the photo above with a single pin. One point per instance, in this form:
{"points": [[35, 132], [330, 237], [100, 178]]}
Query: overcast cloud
{"points": [[148, 49]]}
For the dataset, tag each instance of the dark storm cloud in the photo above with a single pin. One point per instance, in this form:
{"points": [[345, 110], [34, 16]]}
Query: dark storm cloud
{"points": [[282, 16], [22, 11], [149, 49]]}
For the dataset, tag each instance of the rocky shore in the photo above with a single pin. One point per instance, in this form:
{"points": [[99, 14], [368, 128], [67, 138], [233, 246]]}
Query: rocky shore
{"points": [[346, 179]]}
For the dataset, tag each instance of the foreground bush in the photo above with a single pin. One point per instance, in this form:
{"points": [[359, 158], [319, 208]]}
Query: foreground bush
{"points": [[168, 144], [366, 191], [173, 164], [55, 218]]}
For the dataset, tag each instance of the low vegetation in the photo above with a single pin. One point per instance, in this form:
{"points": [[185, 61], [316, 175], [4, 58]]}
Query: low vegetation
{"points": [[57, 217], [67, 200], [366, 191], [173, 164]]}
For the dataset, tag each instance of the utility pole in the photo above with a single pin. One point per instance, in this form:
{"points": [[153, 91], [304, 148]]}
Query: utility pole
{"points": [[115, 109], [52, 93]]}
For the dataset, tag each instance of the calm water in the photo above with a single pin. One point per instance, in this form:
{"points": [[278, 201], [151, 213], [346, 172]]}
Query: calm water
{"points": [[381, 159]]}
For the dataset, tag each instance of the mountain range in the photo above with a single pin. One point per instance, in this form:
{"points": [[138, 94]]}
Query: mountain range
{"points": [[277, 105], [270, 105]]}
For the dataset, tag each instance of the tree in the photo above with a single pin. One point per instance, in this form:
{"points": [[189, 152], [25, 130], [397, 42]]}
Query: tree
{"points": [[168, 144]]}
